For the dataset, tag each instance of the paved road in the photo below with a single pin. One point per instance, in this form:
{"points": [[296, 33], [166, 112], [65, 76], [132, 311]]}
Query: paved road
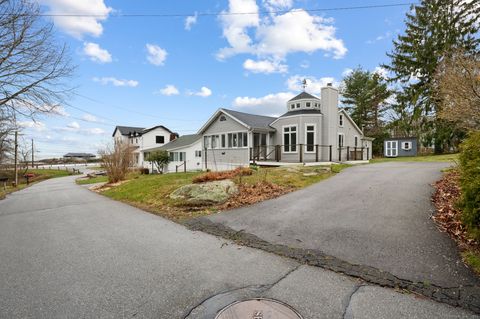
{"points": [[376, 215], [66, 252]]}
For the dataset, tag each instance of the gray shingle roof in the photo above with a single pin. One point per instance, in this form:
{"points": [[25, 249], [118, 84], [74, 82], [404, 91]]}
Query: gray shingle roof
{"points": [[181, 141], [126, 130], [304, 95], [301, 111], [252, 120]]}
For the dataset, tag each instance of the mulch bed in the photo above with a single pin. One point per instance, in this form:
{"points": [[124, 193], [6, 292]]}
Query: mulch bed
{"points": [[251, 194], [448, 217]]}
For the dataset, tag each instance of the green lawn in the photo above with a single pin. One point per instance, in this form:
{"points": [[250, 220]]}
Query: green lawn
{"points": [[151, 192], [93, 180], [426, 158]]}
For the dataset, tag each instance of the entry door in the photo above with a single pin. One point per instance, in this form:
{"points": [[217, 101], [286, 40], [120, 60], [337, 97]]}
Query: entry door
{"points": [[391, 149], [260, 145]]}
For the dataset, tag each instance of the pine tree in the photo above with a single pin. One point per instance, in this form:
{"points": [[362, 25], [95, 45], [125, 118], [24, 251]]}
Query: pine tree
{"points": [[434, 29], [364, 96]]}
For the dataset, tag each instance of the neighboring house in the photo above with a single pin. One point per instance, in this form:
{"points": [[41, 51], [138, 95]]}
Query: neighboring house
{"points": [[312, 130], [143, 138], [401, 146], [79, 156], [185, 154]]}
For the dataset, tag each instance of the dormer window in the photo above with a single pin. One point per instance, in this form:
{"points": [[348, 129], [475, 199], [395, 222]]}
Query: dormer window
{"points": [[308, 104], [298, 105], [292, 106], [340, 120]]}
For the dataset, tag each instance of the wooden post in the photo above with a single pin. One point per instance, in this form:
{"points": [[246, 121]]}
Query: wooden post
{"points": [[316, 153], [368, 155], [339, 153], [184, 166], [362, 153], [355, 154], [330, 153], [300, 150], [348, 153], [205, 152]]}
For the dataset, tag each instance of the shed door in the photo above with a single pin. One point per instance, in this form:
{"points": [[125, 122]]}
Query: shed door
{"points": [[391, 149]]}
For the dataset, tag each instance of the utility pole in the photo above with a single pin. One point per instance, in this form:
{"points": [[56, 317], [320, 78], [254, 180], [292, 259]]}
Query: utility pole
{"points": [[16, 159], [33, 156]]}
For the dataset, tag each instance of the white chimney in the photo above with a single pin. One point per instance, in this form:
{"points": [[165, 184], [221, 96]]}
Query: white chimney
{"points": [[329, 102]]}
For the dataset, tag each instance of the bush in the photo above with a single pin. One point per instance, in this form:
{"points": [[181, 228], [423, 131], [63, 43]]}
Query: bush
{"points": [[217, 176], [117, 161], [470, 182]]}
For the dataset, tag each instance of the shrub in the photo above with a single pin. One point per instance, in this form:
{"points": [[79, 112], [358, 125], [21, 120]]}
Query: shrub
{"points": [[217, 176], [160, 158], [117, 161], [470, 182]]}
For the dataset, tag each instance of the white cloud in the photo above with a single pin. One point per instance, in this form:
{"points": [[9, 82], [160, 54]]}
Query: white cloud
{"points": [[115, 81], [314, 85], [264, 66], [156, 55], [347, 72], [73, 125], [94, 131], [271, 104], [89, 118], [190, 20], [36, 125], [60, 110], [78, 26], [204, 92], [381, 71], [96, 53], [277, 4], [169, 90], [305, 64], [278, 35]]}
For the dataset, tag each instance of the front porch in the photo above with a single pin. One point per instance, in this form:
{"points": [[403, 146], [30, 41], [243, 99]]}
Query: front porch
{"points": [[280, 155]]}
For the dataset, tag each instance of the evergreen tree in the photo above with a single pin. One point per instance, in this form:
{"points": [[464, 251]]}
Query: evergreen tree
{"points": [[364, 96], [434, 29]]}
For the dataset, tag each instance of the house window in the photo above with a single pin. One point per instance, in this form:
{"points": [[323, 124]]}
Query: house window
{"points": [[206, 141], [298, 105], [177, 156], [136, 140], [160, 139], [198, 153], [215, 139], [340, 120], [245, 139], [341, 139], [230, 138], [290, 139], [310, 137], [292, 106], [223, 141], [223, 118], [234, 140], [308, 104], [356, 140]]}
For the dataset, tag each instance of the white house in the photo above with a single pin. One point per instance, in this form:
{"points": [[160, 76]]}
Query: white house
{"points": [[185, 154], [313, 130], [143, 138]]}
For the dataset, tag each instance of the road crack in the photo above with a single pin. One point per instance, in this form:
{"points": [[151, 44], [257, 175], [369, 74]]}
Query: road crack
{"points": [[348, 300]]}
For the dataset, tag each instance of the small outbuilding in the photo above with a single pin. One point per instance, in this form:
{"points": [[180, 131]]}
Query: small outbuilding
{"points": [[400, 147]]}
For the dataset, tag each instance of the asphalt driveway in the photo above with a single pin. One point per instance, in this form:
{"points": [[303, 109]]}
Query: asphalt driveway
{"points": [[376, 215], [66, 252]]}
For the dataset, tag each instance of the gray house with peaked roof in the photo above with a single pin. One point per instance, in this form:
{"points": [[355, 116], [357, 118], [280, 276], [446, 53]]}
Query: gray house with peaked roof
{"points": [[312, 130]]}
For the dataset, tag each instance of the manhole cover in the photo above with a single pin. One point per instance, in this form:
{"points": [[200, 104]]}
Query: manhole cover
{"points": [[258, 309]]}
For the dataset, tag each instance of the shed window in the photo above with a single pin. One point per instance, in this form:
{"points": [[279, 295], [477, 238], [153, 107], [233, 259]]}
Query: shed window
{"points": [[160, 139], [340, 120], [406, 146], [356, 141]]}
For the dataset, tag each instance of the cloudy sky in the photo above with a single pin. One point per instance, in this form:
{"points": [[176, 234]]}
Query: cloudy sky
{"points": [[178, 67]]}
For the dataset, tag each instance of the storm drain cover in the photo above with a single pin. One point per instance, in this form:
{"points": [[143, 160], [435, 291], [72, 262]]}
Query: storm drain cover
{"points": [[258, 309]]}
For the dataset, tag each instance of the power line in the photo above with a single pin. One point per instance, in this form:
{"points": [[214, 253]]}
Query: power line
{"points": [[222, 13]]}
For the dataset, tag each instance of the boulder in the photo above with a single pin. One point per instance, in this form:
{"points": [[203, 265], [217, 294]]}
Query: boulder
{"points": [[216, 192]]}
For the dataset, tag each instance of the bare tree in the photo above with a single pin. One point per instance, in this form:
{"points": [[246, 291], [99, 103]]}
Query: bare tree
{"points": [[6, 136], [117, 161], [33, 68], [459, 90]]}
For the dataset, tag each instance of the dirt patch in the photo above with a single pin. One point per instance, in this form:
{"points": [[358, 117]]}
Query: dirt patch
{"points": [[106, 187]]}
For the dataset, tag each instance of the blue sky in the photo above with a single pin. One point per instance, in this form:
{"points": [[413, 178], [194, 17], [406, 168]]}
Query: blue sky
{"points": [[176, 71]]}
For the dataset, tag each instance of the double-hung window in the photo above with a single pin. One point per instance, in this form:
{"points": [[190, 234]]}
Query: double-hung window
{"points": [[341, 139], [223, 144], [290, 139], [206, 142], [310, 137]]}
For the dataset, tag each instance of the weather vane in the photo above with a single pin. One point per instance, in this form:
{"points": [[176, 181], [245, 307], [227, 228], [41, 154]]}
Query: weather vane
{"points": [[304, 84]]}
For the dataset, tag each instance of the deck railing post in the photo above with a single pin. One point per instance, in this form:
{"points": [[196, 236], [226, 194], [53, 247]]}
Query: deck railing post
{"points": [[184, 166], [300, 150], [316, 153], [348, 153], [330, 153]]}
